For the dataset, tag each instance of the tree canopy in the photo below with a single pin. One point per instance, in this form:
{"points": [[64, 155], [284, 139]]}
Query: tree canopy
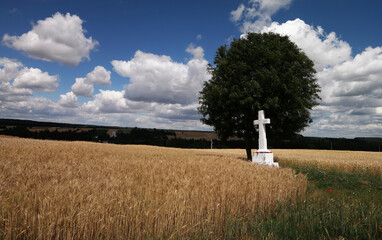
{"points": [[262, 71]]}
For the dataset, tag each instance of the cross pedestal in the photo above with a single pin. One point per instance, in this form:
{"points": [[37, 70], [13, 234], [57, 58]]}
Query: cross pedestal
{"points": [[263, 155]]}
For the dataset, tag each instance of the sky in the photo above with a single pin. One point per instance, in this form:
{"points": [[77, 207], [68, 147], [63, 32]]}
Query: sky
{"points": [[142, 63]]}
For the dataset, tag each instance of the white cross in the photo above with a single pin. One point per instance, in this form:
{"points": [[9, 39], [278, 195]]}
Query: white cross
{"points": [[262, 136]]}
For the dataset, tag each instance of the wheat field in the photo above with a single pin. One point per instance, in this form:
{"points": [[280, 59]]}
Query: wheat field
{"points": [[81, 190], [346, 161]]}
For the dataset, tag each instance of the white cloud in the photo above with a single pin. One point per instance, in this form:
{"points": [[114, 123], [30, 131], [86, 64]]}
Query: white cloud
{"points": [[172, 101], [123, 67], [9, 69], [9, 93], [197, 52], [324, 50], [82, 88], [99, 76], [271, 6], [18, 82], [59, 38], [34, 78], [85, 86], [354, 83], [68, 100], [237, 14], [114, 102], [107, 102], [38, 108], [256, 14], [158, 79], [160, 93]]}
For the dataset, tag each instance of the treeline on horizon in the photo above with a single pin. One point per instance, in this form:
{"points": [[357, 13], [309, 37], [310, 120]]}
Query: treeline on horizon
{"points": [[167, 138]]}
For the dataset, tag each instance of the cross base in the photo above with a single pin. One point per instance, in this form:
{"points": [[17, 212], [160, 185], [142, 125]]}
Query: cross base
{"points": [[264, 157]]}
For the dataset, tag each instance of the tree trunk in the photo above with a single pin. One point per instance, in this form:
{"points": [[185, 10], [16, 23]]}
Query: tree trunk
{"points": [[249, 153], [248, 148]]}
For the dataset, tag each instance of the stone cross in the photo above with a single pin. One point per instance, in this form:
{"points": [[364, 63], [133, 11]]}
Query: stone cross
{"points": [[263, 155], [262, 136]]}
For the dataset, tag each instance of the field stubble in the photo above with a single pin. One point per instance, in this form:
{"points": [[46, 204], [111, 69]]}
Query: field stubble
{"points": [[79, 190]]}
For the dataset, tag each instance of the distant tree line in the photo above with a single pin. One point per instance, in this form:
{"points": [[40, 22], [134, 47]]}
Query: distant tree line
{"points": [[167, 138], [301, 142], [142, 136], [69, 135]]}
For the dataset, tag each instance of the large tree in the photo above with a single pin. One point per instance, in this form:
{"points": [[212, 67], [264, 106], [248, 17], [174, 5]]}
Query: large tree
{"points": [[262, 71]]}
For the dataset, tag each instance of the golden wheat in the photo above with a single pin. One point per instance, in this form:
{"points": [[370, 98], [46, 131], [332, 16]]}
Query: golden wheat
{"points": [[347, 161], [78, 190]]}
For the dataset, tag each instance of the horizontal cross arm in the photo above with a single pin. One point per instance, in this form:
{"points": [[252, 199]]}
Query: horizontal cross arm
{"points": [[262, 121]]}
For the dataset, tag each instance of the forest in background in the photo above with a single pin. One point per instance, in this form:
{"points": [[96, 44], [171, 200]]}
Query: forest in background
{"points": [[170, 138]]}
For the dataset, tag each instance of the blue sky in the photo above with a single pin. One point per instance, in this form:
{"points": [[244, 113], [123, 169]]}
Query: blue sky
{"points": [[142, 63]]}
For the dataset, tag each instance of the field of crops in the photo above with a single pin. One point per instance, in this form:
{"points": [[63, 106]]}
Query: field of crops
{"points": [[346, 161], [51, 189], [81, 190]]}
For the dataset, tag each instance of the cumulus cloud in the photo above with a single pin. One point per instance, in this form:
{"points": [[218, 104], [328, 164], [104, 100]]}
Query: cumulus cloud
{"points": [[34, 78], [160, 92], [9, 93], [9, 69], [166, 93], [356, 82], [82, 88], [99, 76], [256, 14], [85, 86], [155, 78], [324, 50], [148, 114], [17, 82], [196, 52], [59, 38], [107, 102], [68, 100]]}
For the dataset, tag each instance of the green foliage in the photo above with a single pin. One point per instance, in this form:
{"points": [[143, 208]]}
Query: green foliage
{"points": [[69, 135], [260, 72], [360, 185], [329, 219], [142, 136]]}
